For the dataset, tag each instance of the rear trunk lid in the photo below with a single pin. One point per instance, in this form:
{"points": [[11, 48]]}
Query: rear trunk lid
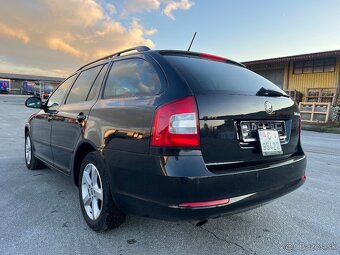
{"points": [[232, 108], [229, 125]]}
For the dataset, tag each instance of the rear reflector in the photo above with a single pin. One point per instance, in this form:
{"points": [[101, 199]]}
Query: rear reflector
{"points": [[176, 124], [205, 203], [303, 178]]}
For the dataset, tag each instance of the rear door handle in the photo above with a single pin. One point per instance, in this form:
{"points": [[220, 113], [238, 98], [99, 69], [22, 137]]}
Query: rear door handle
{"points": [[81, 117], [49, 118]]}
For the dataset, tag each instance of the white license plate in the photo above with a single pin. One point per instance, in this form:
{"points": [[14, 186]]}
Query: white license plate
{"points": [[270, 142]]}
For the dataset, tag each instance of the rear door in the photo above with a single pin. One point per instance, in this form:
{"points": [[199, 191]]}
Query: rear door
{"points": [[125, 112], [41, 124], [231, 112], [71, 118]]}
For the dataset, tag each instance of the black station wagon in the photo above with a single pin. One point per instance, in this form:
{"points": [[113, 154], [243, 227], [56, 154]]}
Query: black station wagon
{"points": [[173, 135]]}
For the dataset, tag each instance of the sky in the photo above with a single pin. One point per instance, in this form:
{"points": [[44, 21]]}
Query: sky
{"points": [[55, 37]]}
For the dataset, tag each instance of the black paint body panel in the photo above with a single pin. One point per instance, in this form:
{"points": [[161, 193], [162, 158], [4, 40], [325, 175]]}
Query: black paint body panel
{"points": [[152, 181]]}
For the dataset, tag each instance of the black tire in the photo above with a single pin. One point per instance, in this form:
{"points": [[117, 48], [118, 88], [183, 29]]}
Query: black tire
{"points": [[110, 216], [33, 163]]}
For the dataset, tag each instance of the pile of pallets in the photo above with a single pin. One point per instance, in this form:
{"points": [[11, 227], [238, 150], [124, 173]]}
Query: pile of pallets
{"points": [[314, 112], [322, 95], [295, 95]]}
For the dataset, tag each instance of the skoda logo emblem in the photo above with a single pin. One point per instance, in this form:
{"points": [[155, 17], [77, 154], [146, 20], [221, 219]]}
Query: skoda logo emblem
{"points": [[268, 107]]}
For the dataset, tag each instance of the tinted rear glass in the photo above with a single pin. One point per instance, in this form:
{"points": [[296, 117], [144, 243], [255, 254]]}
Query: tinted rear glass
{"points": [[207, 76], [132, 77]]}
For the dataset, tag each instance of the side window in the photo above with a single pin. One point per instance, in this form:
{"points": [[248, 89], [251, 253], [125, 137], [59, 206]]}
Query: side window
{"points": [[58, 95], [82, 86], [97, 83], [132, 77]]}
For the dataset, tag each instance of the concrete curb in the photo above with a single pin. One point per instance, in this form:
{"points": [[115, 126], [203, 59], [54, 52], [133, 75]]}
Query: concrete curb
{"points": [[324, 129]]}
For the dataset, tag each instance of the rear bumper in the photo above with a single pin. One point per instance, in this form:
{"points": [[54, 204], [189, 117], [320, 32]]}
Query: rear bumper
{"points": [[158, 195]]}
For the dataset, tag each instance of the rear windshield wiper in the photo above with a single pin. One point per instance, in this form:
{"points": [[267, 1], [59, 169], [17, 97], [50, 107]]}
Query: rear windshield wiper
{"points": [[270, 93]]}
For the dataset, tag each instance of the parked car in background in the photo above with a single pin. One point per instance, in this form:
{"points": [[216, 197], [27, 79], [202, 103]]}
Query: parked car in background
{"points": [[5, 86], [167, 134], [46, 90], [27, 88]]}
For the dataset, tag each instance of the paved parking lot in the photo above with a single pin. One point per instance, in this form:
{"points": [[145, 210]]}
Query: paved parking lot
{"points": [[40, 211]]}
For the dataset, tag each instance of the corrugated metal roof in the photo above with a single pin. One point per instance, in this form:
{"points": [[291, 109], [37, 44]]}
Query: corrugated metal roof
{"points": [[26, 77], [295, 57]]}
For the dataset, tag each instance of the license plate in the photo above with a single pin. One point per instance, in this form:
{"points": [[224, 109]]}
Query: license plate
{"points": [[270, 142]]}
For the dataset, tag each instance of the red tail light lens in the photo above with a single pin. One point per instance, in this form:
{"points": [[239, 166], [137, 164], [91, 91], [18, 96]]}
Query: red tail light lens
{"points": [[176, 124]]}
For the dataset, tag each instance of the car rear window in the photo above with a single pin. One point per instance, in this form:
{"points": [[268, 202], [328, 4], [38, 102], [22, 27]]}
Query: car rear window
{"points": [[208, 76]]}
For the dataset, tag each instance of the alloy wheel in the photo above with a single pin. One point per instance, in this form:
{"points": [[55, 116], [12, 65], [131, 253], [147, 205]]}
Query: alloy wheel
{"points": [[92, 191], [28, 150]]}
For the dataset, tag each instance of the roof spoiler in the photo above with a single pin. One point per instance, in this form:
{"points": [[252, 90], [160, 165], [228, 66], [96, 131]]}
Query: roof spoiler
{"points": [[200, 55]]}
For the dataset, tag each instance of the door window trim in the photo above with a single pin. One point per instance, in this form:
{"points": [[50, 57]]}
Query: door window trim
{"points": [[95, 98], [78, 74]]}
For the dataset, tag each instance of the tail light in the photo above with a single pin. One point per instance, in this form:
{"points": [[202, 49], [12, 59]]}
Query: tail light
{"points": [[212, 57], [176, 124]]}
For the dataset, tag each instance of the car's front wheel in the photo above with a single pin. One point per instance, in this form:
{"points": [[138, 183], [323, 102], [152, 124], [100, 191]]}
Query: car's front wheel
{"points": [[96, 202], [32, 162]]}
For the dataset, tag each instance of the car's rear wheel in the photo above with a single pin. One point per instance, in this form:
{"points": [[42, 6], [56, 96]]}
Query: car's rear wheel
{"points": [[98, 208], [32, 162]]}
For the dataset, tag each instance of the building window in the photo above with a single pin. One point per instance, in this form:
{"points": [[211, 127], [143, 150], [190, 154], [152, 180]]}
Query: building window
{"points": [[314, 66]]}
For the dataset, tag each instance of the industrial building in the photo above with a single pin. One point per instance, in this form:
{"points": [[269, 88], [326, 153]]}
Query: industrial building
{"points": [[30, 84], [312, 80], [306, 74]]}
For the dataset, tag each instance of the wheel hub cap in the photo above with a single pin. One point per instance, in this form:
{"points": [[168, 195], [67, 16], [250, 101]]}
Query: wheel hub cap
{"points": [[92, 191]]}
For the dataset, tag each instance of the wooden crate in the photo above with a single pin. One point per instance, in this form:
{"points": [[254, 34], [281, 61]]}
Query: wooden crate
{"points": [[322, 95], [295, 95], [314, 112]]}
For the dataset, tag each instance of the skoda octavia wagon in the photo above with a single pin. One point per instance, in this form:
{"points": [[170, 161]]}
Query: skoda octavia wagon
{"points": [[174, 135]]}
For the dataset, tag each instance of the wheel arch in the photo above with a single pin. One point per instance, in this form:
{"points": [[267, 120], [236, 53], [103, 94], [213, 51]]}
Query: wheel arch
{"points": [[26, 129], [84, 148]]}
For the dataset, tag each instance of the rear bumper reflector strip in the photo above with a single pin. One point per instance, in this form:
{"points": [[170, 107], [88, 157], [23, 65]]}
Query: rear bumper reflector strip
{"points": [[205, 203], [212, 203]]}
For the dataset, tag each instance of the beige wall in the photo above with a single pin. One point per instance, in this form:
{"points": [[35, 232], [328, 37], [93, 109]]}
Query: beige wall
{"points": [[301, 82]]}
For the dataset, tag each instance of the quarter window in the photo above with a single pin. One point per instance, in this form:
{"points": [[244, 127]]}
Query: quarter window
{"points": [[82, 86], [132, 77], [314, 66], [58, 95]]}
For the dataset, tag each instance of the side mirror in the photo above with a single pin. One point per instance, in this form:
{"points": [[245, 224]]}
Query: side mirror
{"points": [[33, 102]]}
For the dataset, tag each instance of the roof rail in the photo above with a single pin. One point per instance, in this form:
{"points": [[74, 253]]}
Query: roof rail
{"points": [[117, 54]]}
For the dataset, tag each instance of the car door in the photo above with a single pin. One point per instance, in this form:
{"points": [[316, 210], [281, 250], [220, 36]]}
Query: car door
{"points": [[126, 109], [41, 124], [70, 120]]}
